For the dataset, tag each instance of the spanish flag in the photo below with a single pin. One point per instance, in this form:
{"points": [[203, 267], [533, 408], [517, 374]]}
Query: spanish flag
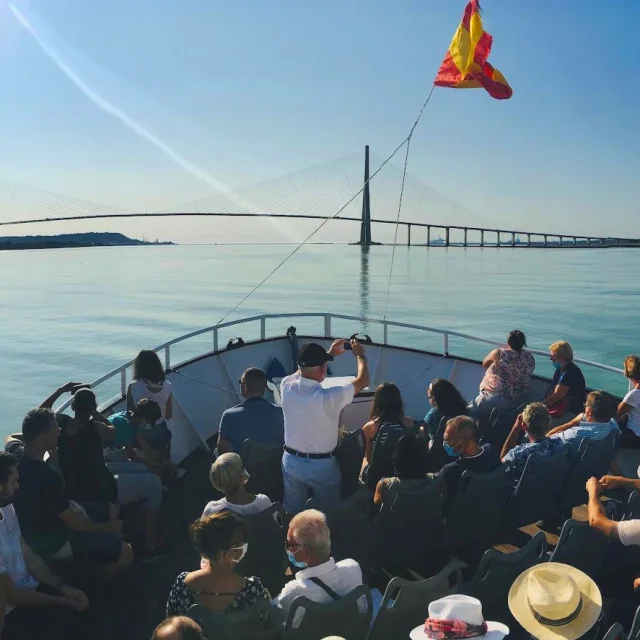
{"points": [[465, 66]]}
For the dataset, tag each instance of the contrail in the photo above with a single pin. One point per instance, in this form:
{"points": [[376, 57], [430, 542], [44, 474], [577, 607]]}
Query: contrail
{"points": [[129, 122]]}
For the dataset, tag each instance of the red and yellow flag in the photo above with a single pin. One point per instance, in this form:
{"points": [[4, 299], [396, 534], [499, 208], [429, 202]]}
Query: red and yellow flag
{"points": [[465, 66]]}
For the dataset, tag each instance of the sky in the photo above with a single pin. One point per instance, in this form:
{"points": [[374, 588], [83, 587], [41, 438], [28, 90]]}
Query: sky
{"points": [[146, 105]]}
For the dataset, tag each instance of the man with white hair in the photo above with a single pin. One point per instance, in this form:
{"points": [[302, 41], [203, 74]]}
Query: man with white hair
{"points": [[321, 578], [311, 423]]}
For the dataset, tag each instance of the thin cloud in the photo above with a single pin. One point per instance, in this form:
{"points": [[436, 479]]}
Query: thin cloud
{"points": [[132, 124]]}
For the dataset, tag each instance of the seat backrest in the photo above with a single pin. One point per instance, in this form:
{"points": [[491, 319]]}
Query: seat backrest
{"points": [[475, 515], [593, 459], [581, 547], [351, 528], [263, 462], [538, 490], [495, 430], [405, 604], [616, 632], [384, 444], [632, 508], [260, 621], [350, 454], [634, 634], [266, 557], [348, 617], [437, 455], [498, 571], [409, 528]]}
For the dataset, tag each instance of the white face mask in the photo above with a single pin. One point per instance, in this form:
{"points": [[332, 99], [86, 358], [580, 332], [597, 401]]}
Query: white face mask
{"points": [[244, 548]]}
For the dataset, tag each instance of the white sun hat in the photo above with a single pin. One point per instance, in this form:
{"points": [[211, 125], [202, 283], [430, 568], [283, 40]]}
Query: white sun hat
{"points": [[554, 601], [462, 617]]}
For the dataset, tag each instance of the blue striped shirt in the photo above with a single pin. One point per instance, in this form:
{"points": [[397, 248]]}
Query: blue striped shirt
{"points": [[590, 430]]}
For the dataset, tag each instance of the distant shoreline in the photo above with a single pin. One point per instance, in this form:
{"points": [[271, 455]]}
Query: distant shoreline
{"points": [[73, 241]]}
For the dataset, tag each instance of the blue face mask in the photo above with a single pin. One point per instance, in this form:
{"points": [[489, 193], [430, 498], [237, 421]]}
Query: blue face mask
{"points": [[557, 365], [450, 451], [294, 562]]}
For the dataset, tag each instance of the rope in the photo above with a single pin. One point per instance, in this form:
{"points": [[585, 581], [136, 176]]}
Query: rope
{"points": [[404, 175], [335, 215], [395, 235], [206, 384], [404, 384]]}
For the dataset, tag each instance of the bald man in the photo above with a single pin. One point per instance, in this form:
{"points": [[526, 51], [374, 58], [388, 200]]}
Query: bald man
{"points": [[178, 628]]}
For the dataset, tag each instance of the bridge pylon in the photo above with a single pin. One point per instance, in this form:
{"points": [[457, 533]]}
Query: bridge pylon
{"points": [[365, 225]]}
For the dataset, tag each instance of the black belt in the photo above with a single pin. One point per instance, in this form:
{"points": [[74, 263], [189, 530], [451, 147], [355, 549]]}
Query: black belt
{"points": [[311, 456]]}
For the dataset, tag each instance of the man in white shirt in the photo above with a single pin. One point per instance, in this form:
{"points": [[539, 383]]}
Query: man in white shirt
{"points": [[311, 423], [38, 604], [321, 578]]}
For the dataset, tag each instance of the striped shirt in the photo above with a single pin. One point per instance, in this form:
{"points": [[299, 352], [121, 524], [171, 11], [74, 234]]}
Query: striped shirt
{"points": [[590, 430]]}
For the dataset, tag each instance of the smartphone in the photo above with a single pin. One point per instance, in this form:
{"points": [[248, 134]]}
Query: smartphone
{"points": [[347, 345]]}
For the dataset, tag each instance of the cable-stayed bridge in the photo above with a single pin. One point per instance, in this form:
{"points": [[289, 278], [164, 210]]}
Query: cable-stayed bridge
{"points": [[428, 218]]}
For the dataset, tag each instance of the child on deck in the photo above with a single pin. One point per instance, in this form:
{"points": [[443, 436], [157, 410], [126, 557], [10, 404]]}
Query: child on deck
{"points": [[134, 436]]}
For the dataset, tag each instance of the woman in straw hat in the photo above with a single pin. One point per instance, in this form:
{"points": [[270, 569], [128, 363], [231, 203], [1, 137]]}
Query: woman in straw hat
{"points": [[554, 601]]}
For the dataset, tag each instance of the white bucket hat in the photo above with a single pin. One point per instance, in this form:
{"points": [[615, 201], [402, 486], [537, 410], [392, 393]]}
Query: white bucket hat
{"points": [[464, 617], [554, 601]]}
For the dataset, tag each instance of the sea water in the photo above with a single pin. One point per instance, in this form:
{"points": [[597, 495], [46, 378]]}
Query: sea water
{"points": [[75, 314]]}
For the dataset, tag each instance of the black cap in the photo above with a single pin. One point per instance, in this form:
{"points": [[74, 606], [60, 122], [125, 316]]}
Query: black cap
{"points": [[312, 355]]}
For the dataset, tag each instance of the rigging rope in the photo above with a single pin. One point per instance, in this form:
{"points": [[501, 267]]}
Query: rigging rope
{"points": [[335, 215], [404, 384], [206, 384], [404, 175]]}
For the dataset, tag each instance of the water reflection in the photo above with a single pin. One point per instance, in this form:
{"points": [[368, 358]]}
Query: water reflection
{"points": [[364, 283]]}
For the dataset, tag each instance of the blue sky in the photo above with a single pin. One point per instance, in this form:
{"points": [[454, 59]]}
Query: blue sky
{"points": [[246, 90]]}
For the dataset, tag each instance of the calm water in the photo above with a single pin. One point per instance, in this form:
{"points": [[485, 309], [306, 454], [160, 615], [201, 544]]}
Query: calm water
{"points": [[77, 313]]}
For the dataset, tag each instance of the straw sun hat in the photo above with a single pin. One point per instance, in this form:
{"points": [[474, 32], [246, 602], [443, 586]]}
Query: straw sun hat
{"points": [[554, 601]]}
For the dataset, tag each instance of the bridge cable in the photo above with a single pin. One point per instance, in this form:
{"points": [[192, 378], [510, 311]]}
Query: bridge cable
{"points": [[335, 215], [404, 175]]}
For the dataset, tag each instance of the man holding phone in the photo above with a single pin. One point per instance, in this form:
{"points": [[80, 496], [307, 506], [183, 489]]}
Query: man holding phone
{"points": [[311, 423]]}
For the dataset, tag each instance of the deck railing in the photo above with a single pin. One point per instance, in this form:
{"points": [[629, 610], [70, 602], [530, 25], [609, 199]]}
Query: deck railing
{"points": [[164, 350]]}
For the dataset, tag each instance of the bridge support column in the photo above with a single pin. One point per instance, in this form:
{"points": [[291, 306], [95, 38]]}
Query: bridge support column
{"points": [[498, 242], [428, 235], [528, 239], [446, 236], [588, 242], [465, 237], [365, 226], [482, 238], [408, 235], [575, 240], [546, 240], [513, 239]]}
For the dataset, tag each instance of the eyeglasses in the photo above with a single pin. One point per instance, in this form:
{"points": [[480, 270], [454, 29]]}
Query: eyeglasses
{"points": [[293, 545]]}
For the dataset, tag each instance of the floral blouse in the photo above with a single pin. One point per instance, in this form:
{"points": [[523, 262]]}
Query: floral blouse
{"points": [[510, 376], [182, 598]]}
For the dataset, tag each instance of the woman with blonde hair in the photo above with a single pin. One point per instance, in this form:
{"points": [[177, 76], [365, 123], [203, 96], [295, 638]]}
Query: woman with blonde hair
{"points": [[567, 390], [228, 476]]}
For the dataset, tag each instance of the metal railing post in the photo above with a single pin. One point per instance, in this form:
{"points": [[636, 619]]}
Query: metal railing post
{"points": [[446, 343], [384, 332], [167, 358], [123, 382], [263, 328], [327, 325], [215, 339]]}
